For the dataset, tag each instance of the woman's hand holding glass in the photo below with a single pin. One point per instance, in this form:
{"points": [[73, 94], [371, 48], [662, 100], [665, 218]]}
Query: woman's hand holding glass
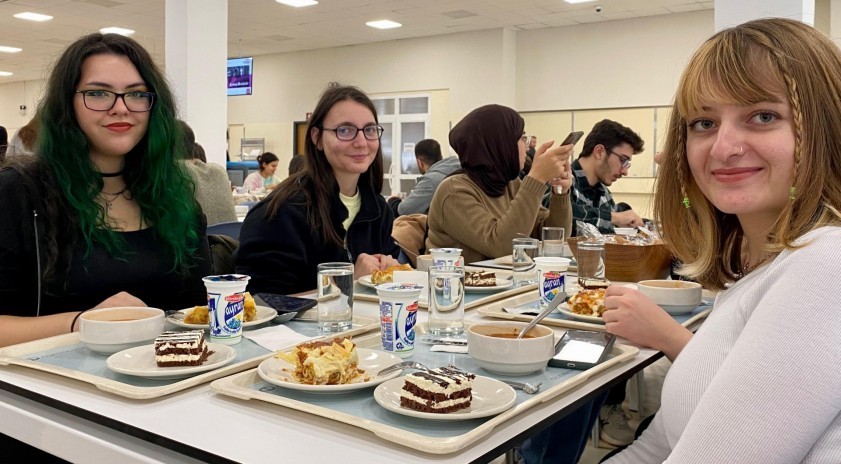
{"points": [[552, 165], [633, 316]]}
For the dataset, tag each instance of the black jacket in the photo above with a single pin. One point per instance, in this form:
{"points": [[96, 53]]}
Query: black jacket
{"points": [[91, 279], [282, 254]]}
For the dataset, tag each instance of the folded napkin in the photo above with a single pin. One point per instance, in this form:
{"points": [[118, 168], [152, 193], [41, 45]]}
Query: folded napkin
{"points": [[449, 348], [276, 337]]}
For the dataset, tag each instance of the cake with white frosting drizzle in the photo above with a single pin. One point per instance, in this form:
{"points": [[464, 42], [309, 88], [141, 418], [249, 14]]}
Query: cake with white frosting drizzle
{"points": [[441, 390], [181, 349]]}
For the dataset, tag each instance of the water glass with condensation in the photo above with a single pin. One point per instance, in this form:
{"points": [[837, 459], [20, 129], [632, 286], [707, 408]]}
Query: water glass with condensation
{"points": [[446, 300], [590, 259], [522, 258], [552, 239], [335, 297]]}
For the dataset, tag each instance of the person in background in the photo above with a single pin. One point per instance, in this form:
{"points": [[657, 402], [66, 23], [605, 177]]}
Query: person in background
{"points": [[296, 164], [751, 205], [213, 188], [484, 207], [530, 150], [331, 210], [434, 168], [24, 140], [605, 158], [264, 178], [105, 214], [4, 142]]}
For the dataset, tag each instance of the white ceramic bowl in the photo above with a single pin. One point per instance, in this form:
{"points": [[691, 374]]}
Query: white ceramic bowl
{"points": [[509, 356], [675, 296], [109, 330]]}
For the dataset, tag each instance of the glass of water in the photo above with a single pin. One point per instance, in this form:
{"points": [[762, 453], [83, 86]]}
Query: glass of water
{"points": [[553, 241], [525, 250], [446, 300], [590, 259], [335, 297]]}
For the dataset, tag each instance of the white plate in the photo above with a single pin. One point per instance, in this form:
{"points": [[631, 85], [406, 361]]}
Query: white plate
{"points": [[264, 314], [563, 308], [490, 397], [279, 372], [500, 284], [365, 281], [140, 361]]}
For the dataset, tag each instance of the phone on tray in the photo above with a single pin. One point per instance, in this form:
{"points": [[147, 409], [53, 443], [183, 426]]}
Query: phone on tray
{"points": [[582, 349], [573, 138], [284, 303]]}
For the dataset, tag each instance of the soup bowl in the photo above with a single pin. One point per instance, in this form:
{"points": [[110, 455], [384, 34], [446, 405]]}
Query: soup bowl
{"points": [[676, 297], [109, 330], [495, 347]]}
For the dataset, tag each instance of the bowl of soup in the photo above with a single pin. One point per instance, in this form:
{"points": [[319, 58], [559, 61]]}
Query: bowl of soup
{"points": [[676, 297], [109, 330], [495, 347]]}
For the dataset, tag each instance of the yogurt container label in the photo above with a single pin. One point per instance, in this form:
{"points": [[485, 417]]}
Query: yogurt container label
{"points": [[398, 316], [551, 282], [226, 307]]}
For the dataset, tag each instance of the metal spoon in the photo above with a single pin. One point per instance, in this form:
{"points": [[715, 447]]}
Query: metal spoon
{"points": [[549, 308]]}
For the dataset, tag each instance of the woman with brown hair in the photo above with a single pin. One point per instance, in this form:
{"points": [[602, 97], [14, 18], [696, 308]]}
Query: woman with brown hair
{"points": [[332, 210], [749, 197]]}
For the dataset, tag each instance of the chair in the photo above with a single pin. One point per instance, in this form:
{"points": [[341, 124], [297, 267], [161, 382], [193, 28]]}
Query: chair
{"points": [[230, 229]]}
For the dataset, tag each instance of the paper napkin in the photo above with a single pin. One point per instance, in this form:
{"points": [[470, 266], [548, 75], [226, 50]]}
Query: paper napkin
{"points": [[449, 348], [276, 337]]}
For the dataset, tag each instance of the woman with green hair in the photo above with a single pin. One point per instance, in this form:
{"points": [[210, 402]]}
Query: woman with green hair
{"points": [[104, 214]]}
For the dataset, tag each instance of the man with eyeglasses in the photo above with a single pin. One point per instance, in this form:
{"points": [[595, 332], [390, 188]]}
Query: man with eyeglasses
{"points": [[604, 159]]}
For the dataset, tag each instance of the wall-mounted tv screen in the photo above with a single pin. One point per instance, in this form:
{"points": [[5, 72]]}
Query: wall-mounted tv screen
{"points": [[240, 76]]}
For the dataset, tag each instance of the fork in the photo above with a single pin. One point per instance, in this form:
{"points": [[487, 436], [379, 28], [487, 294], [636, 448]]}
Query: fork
{"points": [[402, 365], [526, 387]]}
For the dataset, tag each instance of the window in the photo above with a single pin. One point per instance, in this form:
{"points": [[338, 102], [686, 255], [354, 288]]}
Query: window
{"points": [[405, 119]]}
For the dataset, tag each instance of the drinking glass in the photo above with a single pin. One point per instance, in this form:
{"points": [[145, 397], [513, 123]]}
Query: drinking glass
{"points": [[335, 296], [524, 252], [446, 300], [590, 259], [553, 241]]}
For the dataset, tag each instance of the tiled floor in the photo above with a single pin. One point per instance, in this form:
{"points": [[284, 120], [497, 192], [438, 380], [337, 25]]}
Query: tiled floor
{"points": [[654, 375]]}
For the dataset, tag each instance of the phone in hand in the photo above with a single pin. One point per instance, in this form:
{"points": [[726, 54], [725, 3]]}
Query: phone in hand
{"points": [[582, 349], [573, 138], [284, 303]]}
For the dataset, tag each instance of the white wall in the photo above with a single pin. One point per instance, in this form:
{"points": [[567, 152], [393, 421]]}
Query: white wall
{"points": [[612, 64], [13, 95]]}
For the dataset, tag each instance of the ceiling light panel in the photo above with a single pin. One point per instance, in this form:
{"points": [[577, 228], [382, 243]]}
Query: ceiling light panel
{"points": [[297, 3], [383, 24], [33, 16], [116, 30], [6, 49]]}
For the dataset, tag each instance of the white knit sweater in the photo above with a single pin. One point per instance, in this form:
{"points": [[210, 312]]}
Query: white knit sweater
{"points": [[760, 382]]}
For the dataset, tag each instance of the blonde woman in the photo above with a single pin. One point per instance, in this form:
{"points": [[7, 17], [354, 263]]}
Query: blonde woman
{"points": [[749, 197]]}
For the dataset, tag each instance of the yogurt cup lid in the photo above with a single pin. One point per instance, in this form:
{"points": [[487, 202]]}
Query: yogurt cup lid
{"points": [[227, 278], [455, 251], [404, 289]]}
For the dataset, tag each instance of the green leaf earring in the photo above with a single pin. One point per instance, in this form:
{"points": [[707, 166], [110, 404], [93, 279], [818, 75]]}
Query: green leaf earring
{"points": [[686, 202]]}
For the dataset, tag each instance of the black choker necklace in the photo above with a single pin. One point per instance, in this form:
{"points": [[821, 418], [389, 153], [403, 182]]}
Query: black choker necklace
{"points": [[111, 174]]}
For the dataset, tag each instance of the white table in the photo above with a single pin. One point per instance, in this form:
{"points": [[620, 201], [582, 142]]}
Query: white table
{"points": [[77, 422]]}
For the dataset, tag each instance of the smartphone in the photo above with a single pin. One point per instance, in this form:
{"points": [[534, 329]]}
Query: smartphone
{"points": [[582, 349], [284, 303], [573, 138]]}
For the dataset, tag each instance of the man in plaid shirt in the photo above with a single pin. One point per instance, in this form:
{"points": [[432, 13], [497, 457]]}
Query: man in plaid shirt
{"points": [[605, 157]]}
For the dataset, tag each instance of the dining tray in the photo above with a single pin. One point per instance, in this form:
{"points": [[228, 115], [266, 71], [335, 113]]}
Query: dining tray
{"points": [[557, 319], [358, 408], [471, 299], [65, 355]]}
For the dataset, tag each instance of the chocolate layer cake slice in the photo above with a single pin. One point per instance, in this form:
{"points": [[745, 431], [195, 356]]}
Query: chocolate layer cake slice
{"points": [[181, 349], [441, 390], [480, 279]]}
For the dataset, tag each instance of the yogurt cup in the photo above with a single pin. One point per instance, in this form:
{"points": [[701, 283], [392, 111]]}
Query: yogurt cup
{"points": [[551, 278], [445, 256], [226, 305], [398, 316]]}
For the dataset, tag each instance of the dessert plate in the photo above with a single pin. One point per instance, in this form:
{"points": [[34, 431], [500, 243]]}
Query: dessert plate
{"points": [[500, 284], [490, 397], [264, 314], [279, 372], [563, 308], [140, 362]]}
